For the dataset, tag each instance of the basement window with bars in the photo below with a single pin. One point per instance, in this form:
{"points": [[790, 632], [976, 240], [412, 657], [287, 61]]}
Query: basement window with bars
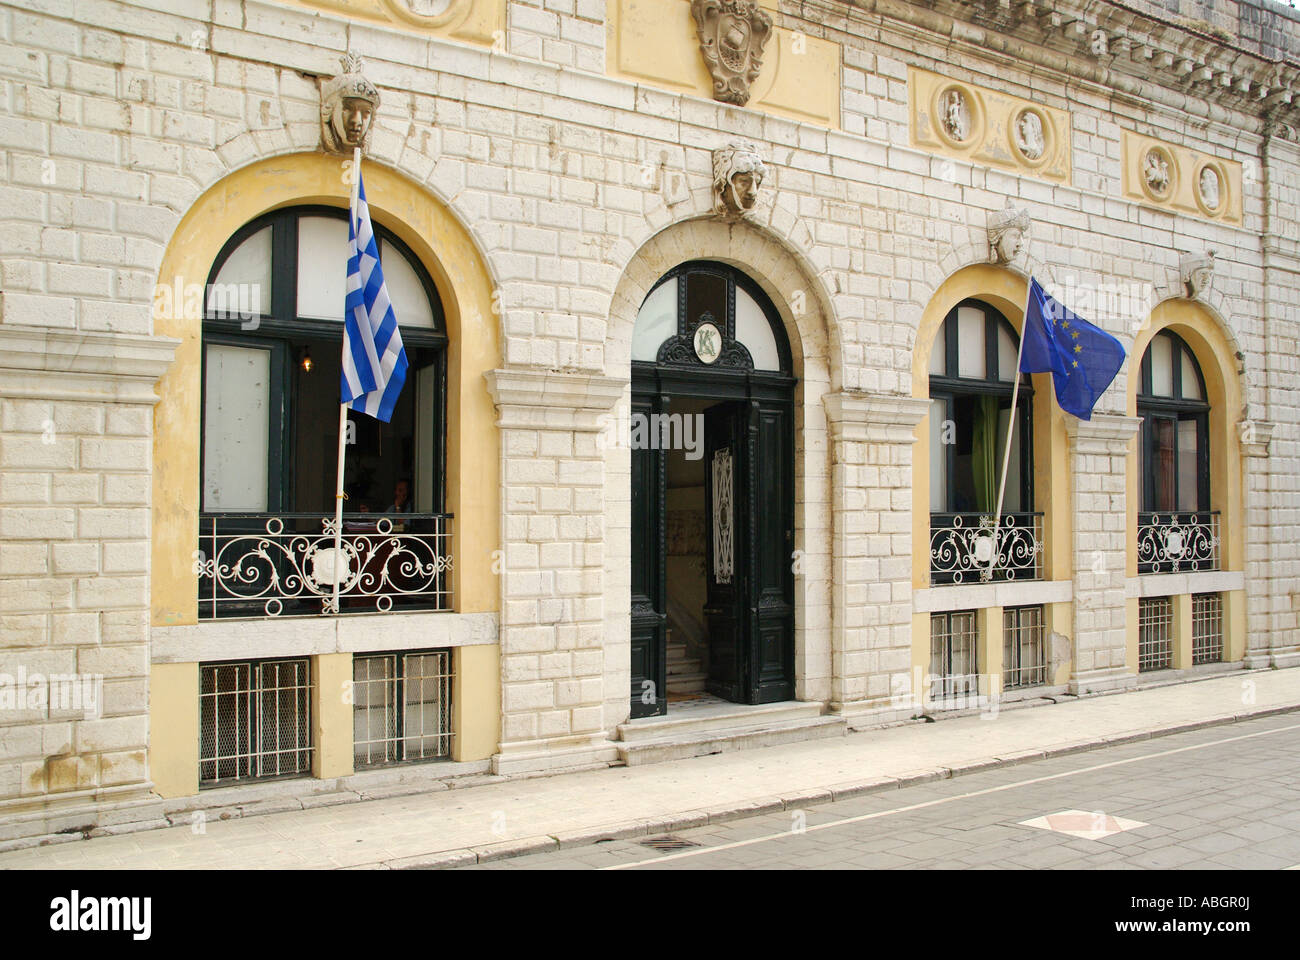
{"points": [[1207, 628], [1024, 661], [401, 708], [254, 721], [952, 655], [1155, 633]]}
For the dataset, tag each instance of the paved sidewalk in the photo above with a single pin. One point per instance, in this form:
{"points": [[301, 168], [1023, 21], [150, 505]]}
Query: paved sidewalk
{"points": [[503, 819]]}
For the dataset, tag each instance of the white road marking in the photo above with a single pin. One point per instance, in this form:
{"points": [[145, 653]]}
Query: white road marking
{"points": [[933, 803]]}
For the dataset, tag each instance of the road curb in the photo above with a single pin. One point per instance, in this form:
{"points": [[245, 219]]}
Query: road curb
{"points": [[809, 796]]}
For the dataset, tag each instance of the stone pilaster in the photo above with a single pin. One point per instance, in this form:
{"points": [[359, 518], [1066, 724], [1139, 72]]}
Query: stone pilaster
{"points": [[552, 567], [1099, 505], [871, 545], [1265, 644], [76, 455]]}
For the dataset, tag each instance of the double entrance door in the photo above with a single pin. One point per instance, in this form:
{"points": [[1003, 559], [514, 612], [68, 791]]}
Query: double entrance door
{"points": [[738, 584]]}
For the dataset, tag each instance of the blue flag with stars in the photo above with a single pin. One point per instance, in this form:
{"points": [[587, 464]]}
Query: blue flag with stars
{"points": [[1083, 359]]}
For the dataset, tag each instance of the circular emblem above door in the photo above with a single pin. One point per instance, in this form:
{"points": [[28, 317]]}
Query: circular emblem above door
{"points": [[708, 342]]}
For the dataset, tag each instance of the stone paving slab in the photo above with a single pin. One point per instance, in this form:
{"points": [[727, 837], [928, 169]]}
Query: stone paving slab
{"points": [[505, 819]]}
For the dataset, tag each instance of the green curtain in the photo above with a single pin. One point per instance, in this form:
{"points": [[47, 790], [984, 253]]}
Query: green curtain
{"points": [[984, 454]]}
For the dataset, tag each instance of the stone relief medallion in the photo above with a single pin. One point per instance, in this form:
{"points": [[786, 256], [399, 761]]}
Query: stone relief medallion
{"points": [[958, 117], [428, 13], [1028, 135], [732, 36], [1157, 173], [1209, 189], [708, 342]]}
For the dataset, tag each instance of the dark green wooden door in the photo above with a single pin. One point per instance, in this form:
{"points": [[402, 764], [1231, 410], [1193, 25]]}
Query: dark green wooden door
{"points": [[649, 598], [726, 607]]}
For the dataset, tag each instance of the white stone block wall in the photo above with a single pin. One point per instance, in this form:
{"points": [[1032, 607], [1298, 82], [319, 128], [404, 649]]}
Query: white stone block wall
{"points": [[114, 120]]}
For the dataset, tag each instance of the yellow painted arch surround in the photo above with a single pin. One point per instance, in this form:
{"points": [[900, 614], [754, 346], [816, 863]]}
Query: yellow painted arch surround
{"points": [[445, 247]]}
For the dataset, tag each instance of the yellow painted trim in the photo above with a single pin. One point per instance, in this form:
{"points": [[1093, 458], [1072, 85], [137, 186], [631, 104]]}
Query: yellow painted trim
{"points": [[656, 42], [332, 708], [174, 729], [989, 650], [1059, 618], [1183, 194], [1006, 291], [461, 277], [991, 140], [474, 21], [1234, 625], [476, 701]]}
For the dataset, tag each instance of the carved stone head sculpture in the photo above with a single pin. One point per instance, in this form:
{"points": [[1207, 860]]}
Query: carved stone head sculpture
{"points": [[1197, 273], [1008, 233], [732, 36], [347, 107], [738, 174]]}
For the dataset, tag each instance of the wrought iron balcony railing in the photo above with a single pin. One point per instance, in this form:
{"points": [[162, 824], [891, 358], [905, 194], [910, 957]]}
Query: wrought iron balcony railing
{"points": [[961, 547], [259, 565], [1178, 542]]}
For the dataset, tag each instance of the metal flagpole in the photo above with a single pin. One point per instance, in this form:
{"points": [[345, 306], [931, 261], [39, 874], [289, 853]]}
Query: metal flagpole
{"points": [[339, 495], [1011, 429]]}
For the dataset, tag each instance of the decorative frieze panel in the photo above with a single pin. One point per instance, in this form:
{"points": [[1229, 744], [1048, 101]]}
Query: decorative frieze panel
{"points": [[729, 55], [476, 21], [967, 122], [1181, 180]]}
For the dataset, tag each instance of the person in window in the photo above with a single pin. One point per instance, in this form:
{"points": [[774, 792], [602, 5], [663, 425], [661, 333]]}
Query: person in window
{"points": [[401, 497]]}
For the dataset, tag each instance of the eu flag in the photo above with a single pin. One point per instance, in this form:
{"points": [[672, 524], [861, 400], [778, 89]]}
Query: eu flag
{"points": [[1083, 359]]}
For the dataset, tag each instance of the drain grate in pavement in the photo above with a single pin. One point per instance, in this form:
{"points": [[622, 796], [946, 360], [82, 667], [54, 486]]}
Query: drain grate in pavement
{"points": [[668, 842]]}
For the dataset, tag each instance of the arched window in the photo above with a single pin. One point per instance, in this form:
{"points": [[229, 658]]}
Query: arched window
{"points": [[272, 339], [972, 375], [1175, 452], [695, 294]]}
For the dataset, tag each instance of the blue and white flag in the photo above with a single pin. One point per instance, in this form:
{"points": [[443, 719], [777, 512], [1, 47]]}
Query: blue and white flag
{"points": [[374, 361], [1083, 359]]}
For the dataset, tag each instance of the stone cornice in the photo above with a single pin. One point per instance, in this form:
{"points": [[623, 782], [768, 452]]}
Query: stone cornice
{"points": [[1256, 436], [62, 364], [1103, 434], [1131, 53], [874, 417], [540, 399]]}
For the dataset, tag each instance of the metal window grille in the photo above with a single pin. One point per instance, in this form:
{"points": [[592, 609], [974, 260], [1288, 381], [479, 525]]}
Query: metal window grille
{"points": [[401, 708], [254, 720], [952, 655], [1155, 633], [1207, 628], [1024, 661]]}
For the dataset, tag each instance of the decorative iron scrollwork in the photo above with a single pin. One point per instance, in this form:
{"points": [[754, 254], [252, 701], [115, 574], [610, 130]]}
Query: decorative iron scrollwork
{"points": [[961, 547]]}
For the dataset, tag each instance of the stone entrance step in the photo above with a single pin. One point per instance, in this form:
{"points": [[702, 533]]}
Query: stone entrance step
{"points": [[701, 728]]}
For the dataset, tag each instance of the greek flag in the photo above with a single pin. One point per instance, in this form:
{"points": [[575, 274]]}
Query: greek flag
{"points": [[374, 361]]}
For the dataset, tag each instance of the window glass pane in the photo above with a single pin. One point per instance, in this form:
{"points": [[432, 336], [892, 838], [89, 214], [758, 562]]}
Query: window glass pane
{"points": [[322, 267], [970, 343], [1191, 385], [753, 330], [939, 352], [656, 322], [426, 413], [706, 293], [1007, 347], [1013, 501], [410, 301], [1188, 463], [938, 458], [243, 284], [1162, 462], [1162, 367], [236, 423]]}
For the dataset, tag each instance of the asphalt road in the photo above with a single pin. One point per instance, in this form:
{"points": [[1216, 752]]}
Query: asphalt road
{"points": [[1221, 798]]}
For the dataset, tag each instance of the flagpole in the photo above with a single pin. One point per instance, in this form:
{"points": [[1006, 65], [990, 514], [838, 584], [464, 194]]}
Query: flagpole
{"points": [[339, 495], [1011, 429]]}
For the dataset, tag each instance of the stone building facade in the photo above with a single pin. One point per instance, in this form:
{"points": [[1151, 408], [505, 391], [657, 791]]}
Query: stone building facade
{"points": [[858, 177]]}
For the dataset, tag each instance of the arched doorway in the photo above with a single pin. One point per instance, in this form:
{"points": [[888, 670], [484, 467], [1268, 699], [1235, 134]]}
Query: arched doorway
{"points": [[712, 450]]}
